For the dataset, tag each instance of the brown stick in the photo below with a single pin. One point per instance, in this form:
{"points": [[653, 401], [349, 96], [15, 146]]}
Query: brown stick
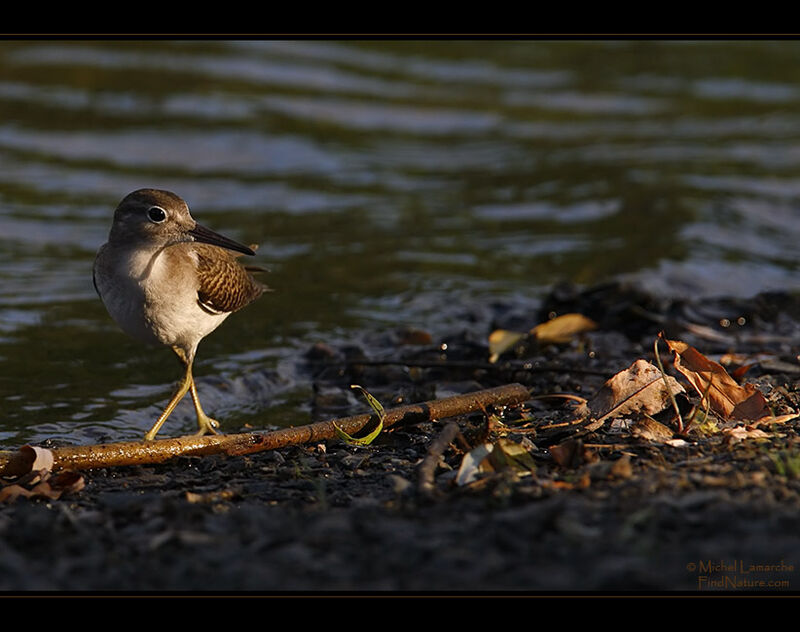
{"points": [[427, 469], [140, 452]]}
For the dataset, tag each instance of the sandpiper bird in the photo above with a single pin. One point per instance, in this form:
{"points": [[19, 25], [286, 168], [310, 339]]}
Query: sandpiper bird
{"points": [[166, 279]]}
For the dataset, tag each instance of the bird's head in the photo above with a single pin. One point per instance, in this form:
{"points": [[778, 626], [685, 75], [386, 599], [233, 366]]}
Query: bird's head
{"points": [[161, 218]]}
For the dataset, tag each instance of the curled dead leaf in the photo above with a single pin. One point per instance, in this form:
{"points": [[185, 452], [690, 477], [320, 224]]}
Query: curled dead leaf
{"points": [[37, 459], [723, 394]]}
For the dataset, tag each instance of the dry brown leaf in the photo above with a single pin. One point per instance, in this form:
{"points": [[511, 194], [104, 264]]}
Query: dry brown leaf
{"points": [[622, 467], [739, 373], [37, 459], [651, 430], [413, 336], [42, 458], [609, 470], [10, 493], [733, 358], [569, 453], [52, 487], [39, 481], [560, 329], [739, 433], [710, 379], [563, 328], [211, 497], [677, 443], [777, 419], [67, 482], [639, 389], [558, 485]]}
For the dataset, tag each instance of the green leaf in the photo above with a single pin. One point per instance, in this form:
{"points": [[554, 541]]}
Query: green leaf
{"points": [[374, 403], [378, 408]]}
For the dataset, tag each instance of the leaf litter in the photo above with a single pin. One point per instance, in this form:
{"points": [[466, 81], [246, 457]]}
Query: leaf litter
{"points": [[615, 477], [40, 481], [723, 405]]}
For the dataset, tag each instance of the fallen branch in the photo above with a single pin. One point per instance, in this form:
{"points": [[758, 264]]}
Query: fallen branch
{"points": [[142, 452]]}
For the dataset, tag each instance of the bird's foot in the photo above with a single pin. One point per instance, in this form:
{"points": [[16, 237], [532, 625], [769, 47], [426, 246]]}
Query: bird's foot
{"points": [[206, 425]]}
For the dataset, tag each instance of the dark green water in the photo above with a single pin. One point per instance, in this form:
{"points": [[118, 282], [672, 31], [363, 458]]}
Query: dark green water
{"points": [[387, 182]]}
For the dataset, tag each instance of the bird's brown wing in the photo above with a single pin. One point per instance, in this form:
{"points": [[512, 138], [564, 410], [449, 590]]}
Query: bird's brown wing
{"points": [[225, 285]]}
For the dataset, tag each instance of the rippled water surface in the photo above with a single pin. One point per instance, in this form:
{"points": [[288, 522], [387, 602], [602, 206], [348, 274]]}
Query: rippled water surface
{"points": [[387, 183]]}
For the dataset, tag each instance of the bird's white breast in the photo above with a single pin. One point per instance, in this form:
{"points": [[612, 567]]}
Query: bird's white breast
{"points": [[152, 294]]}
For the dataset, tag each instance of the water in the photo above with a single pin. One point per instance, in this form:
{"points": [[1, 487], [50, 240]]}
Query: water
{"points": [[387, 183]]}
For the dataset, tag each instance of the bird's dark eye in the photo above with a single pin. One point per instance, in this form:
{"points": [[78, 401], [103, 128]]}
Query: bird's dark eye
{"points": [[156, 214]]}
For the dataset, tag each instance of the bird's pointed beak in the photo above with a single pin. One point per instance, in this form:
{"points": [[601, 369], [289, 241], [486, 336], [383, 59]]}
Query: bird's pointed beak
{"points": [[208, 236]]}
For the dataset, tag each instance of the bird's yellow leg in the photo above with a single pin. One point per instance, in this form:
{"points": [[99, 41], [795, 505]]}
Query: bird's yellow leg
{"points": [[183, 386], [205, 424]]}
